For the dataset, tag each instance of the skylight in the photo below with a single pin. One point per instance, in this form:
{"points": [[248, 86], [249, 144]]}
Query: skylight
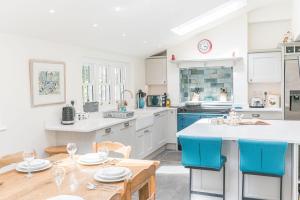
{"points": [[210, 16]]}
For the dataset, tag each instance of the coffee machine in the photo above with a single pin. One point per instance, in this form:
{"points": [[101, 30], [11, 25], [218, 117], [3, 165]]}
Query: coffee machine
{"points": [[68, 114]]}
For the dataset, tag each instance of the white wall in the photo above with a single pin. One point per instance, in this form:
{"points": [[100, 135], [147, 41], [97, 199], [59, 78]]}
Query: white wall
{"points": [[267, 35], [228, 38], [26, 124], [296, 19]]}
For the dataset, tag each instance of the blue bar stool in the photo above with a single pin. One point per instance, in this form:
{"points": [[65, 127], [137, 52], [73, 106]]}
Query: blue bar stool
{"points": [[263, 159], [204, 154]]}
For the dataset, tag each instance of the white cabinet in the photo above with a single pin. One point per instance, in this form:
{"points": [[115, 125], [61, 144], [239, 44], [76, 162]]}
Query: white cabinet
{"points": [[156, 71], [172, 126], [143, 140], [159, 129], [262, 115], [264, 67]]}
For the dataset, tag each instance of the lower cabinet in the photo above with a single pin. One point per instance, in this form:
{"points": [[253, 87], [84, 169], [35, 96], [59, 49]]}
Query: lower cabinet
{"points": [[143, 140], [274, 115], [160, 129]]}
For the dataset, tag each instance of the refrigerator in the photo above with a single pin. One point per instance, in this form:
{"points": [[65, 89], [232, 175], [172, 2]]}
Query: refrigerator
{"points": [[292, 87]]}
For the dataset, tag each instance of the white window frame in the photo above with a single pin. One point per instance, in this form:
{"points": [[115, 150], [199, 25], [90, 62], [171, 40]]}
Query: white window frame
{"points": [[112, 81]]}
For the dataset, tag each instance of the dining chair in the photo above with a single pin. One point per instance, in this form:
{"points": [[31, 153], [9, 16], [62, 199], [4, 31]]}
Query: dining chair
{"points": [[113, 147], [53, 150], [262, 158], [203, 153], [11, 159], [147, 188]]}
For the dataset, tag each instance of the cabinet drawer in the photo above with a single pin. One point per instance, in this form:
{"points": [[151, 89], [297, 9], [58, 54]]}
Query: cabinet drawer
{"points": [[262, 115]]}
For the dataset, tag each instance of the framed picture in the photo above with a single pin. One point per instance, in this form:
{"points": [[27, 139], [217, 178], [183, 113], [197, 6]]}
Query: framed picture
{"points": [[47, 82]]}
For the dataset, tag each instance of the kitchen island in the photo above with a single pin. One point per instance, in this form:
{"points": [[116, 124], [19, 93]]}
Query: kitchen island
{"points": [[255, 186]]}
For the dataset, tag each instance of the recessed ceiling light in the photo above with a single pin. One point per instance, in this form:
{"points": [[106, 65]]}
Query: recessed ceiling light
{"points": [[210, 16], [118, 8], [95, 25], [124, 35], [51, 11], [145, 42]]}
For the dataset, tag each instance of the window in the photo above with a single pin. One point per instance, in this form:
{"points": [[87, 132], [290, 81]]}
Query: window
{"points": [[103, 82], [206, 83]]}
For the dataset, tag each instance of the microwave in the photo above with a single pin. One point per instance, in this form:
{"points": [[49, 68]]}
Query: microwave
{"points": [[156, 100]]}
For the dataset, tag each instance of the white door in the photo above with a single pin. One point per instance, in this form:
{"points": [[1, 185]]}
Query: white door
{"points": [[265, 67], [156, 71]]}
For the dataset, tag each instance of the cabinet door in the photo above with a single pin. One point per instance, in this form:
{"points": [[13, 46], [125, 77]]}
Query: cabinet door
{"points": [[172, 125], [159, 129], [140, 144], [148, 141], [156, 71], [264, 67]]}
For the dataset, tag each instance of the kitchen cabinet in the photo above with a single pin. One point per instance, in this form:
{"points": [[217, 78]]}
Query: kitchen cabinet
{"points": [[270, 115], [156, 71], [143, 146], [264, 67], [159, 129], [172, 126]]}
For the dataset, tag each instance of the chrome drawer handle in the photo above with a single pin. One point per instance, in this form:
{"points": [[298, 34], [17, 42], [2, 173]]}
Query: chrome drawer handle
{"points": [[146, 131], [108, 130], [126, 124], [256, 115], [157, 114]]}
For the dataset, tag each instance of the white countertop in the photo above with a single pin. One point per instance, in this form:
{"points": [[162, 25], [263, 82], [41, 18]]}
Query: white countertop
{"points": [[97, 122], [279, 130]]}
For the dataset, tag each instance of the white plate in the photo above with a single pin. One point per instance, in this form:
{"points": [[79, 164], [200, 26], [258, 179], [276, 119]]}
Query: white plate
{"points": [[19, 169], [99, 177], [66, 197], [91, 158], [35, 164], [114, 171], [89, 163]]}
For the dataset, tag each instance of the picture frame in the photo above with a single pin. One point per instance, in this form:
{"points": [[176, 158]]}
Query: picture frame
{"points": [[47, 82]]}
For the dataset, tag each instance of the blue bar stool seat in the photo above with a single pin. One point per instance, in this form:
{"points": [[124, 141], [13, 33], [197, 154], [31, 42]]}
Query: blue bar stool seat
{"points": [[204, 154], [263, 159]]}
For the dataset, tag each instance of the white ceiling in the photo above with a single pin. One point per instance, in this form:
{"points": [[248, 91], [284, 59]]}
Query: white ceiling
{"points": [[146, 23]]}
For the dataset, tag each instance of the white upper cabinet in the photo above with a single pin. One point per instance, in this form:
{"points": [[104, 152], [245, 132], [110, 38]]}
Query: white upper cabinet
{"points": [[264, 67], [156, 71]]}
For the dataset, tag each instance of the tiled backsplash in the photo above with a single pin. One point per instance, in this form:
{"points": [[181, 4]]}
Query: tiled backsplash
{"points": [[206, 81]]}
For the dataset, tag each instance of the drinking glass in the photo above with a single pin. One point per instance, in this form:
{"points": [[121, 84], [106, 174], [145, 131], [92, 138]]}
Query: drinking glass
{"points": [[28, 157], [59, 175], [103, 152], [71, 148]]}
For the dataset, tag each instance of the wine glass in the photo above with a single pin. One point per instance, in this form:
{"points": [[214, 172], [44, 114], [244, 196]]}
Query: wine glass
{"points": [[59, 175], [71, 148], [103, 152], [28, 157]]}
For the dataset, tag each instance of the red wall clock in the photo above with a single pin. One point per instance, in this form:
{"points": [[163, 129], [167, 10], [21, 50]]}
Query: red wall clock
{"points": [[205, 46]]}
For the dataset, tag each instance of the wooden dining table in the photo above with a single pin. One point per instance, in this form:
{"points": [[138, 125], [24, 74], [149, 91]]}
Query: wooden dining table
{"points": [[16, 186]]}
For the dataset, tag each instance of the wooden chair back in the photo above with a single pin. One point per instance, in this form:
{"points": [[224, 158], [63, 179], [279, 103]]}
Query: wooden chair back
{"points": [[114, 147], [147, 188], [10, 159]]}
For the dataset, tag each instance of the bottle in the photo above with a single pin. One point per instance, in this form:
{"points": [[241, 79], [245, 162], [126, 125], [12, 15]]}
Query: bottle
{"points": [[168, 103], [164, 100]]}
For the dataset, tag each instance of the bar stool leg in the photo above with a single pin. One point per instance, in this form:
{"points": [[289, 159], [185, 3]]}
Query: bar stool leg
{"points": [[224, 182], [243, 184], [281, 188], [190, 185]]}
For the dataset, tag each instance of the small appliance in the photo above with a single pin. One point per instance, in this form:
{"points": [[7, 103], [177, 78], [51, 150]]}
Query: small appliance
{"points": [[68, 115], [256, 102], [157, 100]]}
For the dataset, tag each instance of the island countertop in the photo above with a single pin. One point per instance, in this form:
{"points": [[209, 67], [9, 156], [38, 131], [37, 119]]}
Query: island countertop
{"points": [[278, 130]]}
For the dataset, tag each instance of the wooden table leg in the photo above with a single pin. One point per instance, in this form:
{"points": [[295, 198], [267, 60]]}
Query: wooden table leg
{"points": [[144, 192]]}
